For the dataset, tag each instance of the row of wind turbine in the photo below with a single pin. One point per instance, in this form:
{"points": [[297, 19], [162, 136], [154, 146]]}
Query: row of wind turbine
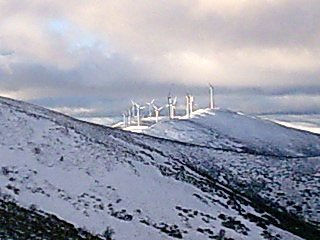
{"points": [[134, 111]]}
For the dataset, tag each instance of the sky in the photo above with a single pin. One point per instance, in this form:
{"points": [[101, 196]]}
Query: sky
{"points": [[91, 57]]}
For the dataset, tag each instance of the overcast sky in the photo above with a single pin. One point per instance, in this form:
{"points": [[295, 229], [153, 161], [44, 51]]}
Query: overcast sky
{"points": [[92, 57]]}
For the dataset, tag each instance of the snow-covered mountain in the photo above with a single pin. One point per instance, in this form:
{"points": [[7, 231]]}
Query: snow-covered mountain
{"points": [[235, 131], [140, 186], [281, 165], [306, 122]]}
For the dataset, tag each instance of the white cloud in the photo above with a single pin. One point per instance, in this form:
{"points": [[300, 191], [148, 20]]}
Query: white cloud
{"points": [[74, 111]]}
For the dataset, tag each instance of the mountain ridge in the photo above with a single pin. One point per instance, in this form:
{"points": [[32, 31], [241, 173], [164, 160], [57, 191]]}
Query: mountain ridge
{"points": [[236, 131]]}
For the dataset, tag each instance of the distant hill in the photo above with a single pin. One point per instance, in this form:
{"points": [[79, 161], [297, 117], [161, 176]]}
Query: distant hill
{"points": [[236, 131]]}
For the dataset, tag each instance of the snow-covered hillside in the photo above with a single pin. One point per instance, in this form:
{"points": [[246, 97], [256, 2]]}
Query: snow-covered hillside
{"points": [[310, 122], [230, 130], [279, 164], [142, 187]]}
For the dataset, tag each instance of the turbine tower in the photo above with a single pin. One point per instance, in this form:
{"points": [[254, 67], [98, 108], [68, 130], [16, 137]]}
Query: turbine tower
{"points": [[189, 105], [171, 106], [174, 104], [129, 116], [211, 91], [138, 108], [133, 108], [150, 104], [125, 120], [157, 111]]}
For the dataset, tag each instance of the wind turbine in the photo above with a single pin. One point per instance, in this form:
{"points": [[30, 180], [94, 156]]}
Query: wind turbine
{"points": [[150, 104], [125, 119], [138, 108], [174, 104], [129, 116], [133, 108], [188, 105], [171, 106], [211, 91], [157, 111], [191, 104]]}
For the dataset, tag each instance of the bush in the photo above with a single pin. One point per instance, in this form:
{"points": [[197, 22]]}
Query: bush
{"points": [[108, 233]]}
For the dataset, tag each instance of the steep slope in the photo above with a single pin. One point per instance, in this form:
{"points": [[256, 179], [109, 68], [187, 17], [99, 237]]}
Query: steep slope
{"points": [[20, 223], [236, 131], [141, 187], [272, 161]]}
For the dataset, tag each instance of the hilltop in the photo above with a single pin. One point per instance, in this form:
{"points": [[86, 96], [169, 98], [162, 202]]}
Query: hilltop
{"points": [[236, 131]]}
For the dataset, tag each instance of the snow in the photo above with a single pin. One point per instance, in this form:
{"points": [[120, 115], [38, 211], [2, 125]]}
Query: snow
{"points": [[313, 128], [107, 121], [95, 176], [277, 163], [138, 129], [306, 122], [226, 129]]}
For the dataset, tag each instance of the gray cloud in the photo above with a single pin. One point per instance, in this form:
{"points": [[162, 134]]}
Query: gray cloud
{"points": [[53, 52], [6, 52]]}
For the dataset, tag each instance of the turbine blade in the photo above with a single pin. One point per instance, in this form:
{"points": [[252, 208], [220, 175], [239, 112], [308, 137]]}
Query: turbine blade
{"points": [[174, 101]]}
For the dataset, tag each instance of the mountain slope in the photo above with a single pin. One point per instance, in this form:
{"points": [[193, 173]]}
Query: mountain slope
{"points": [[141, 187], [277, 164], [20, 223], [236, 131]]}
